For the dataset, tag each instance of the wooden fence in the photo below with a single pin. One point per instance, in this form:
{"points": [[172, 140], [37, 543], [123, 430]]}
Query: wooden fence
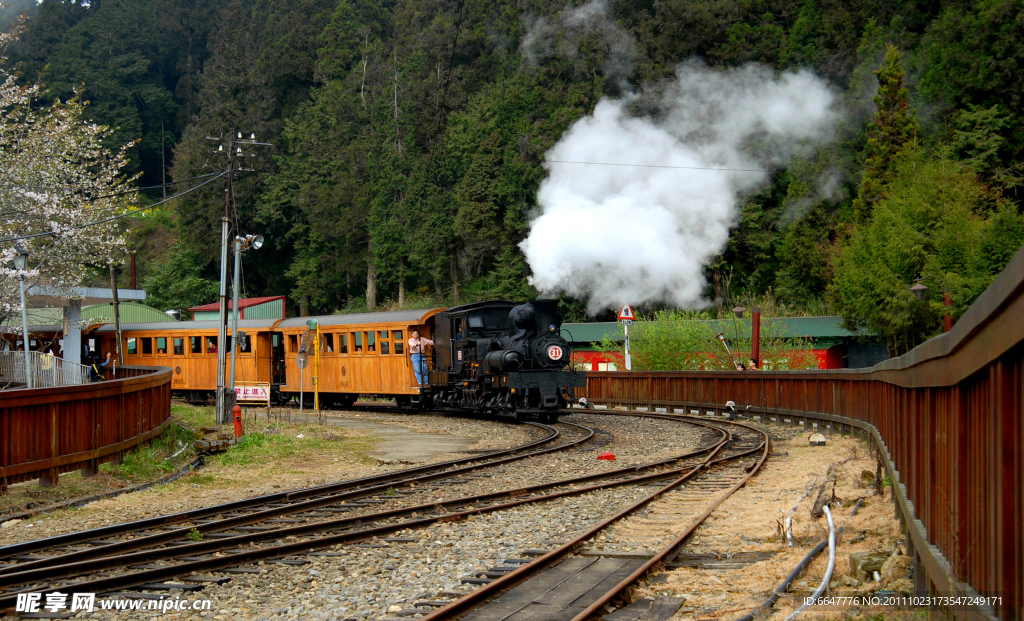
{"points": [[949, 416], [47, 431]]}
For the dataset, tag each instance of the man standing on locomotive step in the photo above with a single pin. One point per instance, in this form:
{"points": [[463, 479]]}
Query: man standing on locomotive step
{"points": [[417, 350]]}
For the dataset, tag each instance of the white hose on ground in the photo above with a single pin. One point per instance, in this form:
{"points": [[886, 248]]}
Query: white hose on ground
{"points": [[789, 516], [180, 451], [828, 570]]}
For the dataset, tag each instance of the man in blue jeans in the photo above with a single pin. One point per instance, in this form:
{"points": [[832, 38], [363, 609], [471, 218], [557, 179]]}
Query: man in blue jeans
{"points": [[417, 350]]}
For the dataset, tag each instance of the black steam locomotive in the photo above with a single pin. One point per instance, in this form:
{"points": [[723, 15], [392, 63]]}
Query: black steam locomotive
{"points": [[500, 359]]}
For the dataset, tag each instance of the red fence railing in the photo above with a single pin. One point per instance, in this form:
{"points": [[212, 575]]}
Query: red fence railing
{"points": [[950, 414], [47, 431]]}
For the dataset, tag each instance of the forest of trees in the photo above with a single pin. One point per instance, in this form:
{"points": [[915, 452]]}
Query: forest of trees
{"points": [[409, 134]]}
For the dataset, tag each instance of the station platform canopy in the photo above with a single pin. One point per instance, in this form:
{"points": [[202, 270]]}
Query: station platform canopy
{"points": [[69, 302]]}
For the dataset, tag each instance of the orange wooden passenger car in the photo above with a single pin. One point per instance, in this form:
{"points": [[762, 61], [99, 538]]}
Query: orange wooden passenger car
{"points": [[361, 354]]}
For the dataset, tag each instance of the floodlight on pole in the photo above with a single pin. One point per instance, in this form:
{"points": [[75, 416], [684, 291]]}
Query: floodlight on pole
{"points": [[919, 290], [254, 241], [738, 311]]}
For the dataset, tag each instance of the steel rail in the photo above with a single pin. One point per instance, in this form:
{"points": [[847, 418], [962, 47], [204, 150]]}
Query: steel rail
{"points": [[476, 598], [158, 538], [374, 481], [158, 574]]}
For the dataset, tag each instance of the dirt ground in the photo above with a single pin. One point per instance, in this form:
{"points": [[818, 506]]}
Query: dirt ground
{"points": [[751, 521], [271, 457]]}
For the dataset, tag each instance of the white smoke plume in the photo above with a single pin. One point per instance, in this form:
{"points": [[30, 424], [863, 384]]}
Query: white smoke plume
{"points": [[644, 232]]}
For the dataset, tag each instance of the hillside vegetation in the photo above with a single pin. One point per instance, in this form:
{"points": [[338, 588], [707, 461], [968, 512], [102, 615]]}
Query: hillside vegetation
{"points": [[409, 134]]}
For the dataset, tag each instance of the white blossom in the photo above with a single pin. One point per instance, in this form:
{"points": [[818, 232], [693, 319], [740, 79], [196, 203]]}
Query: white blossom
{"points": [[55, 175]]}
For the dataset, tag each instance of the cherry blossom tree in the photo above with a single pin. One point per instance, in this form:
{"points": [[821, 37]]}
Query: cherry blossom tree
{"points": [[61, 189]]}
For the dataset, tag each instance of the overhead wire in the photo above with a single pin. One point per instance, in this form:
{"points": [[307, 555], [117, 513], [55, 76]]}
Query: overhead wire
{"points": [[148, 187], [117, 217]]}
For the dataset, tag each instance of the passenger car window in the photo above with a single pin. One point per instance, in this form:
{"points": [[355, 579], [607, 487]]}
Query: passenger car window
{"points": [[195, 344], [245, 344], [342, 343], [161, 344], [211, 345], [293, 343], [179, 347], [371, 341], [328, 343], [399, 343], [147, 346], [359, 342], [132, 347]]}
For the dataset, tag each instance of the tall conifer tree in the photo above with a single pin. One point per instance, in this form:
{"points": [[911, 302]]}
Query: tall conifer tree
{"points": [[894, 127]]}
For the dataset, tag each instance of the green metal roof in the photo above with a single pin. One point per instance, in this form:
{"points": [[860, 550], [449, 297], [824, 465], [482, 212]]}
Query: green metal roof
{"points": [[818, 328], [131, 312]]}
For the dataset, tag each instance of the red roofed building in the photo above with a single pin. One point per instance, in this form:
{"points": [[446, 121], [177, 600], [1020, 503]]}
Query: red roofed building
{"points": [[271, 307]]}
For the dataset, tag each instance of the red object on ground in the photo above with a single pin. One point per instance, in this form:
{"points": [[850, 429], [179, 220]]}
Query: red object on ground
{"points": [[237, 411], [607, 456]]}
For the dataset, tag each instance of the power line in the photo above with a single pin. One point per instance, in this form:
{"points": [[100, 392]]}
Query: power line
{"points": [[660, 166], [153, 187], [117, 217], [148, 187]]}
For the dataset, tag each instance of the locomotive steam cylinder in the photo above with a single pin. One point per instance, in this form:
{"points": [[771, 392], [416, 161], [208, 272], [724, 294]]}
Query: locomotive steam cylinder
{"points": [[503, 360]]}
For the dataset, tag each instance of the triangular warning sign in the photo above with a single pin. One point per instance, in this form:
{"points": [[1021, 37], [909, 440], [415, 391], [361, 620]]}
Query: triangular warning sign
{"points": [[626, 313]]}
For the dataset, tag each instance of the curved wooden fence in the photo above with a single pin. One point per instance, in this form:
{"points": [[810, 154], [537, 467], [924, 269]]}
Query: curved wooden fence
{"points": [[949, 415], [47, 431]]}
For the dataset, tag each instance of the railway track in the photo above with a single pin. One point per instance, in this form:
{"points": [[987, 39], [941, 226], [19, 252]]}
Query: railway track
{"points": [[245, 512], [146, 558], [147, 554], [709, 481]]}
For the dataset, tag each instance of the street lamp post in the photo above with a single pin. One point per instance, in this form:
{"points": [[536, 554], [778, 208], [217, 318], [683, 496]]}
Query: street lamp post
{"points": [[21, 264], [918, 290], [755, 331]]}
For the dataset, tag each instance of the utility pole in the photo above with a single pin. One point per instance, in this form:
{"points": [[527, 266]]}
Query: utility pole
{"points": [[222, 406], [233, 147], [163, 161]]}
